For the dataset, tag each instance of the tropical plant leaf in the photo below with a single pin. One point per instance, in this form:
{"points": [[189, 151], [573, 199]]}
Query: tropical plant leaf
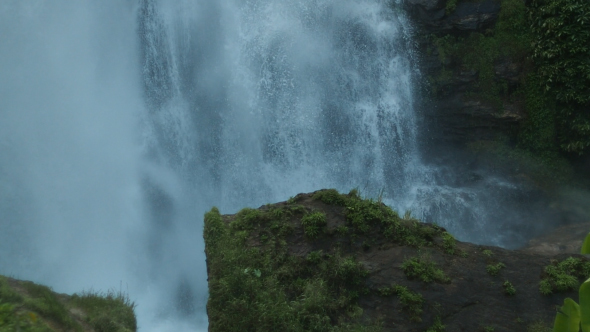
{"points": [[586, 245], [585, 304], [568, 317]]}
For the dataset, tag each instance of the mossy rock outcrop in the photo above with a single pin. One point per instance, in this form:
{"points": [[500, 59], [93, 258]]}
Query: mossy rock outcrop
{"points": [[29, 307], [330, 262]]}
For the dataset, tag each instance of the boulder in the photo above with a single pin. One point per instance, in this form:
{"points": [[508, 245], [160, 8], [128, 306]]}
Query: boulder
{"points": [[328, 261]]}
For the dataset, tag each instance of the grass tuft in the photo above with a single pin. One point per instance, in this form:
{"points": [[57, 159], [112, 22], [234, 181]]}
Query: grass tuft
{"points": [[107, 312]]}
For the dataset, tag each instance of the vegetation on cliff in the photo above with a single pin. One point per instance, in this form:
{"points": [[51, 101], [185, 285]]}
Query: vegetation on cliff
{"points": [[258, 283], [536, 55], [561, 52], [331, 262], [26, 306]]}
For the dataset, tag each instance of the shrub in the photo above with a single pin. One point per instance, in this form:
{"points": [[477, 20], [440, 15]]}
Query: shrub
{"points": [[564, 275], [494, 269], [313, 223], [424, 270]]}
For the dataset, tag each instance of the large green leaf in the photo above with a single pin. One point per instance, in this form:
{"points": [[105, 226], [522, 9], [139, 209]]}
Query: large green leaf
{"points": [[568, 317], [585, 305], [586, 245]]}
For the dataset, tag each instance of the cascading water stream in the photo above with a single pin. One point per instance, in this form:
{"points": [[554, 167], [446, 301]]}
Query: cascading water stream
{"points": [[122, 123]]}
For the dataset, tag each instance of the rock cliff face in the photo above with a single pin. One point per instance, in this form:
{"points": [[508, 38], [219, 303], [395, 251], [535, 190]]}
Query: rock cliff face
{"points": [[459, 105], [330, 262]]}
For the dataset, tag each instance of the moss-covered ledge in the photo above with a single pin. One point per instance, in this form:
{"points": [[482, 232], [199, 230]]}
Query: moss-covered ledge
{"points": [[29, 307], [326, 261]]}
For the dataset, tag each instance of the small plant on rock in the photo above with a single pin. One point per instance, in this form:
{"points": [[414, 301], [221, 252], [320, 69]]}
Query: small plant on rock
{"points": [[411, 301], [425, 270], [494, 269], [508, 288]]}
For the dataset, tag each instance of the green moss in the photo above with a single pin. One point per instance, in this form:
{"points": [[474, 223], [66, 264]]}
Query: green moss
{"points": [[38, 307], [494, 269], [267, 289], [424, 270], [331, 197], [364, 216], [564, 275], [313, 224], [13, 320], [263, 287]]}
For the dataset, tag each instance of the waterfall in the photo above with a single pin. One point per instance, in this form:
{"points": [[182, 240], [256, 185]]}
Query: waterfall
{"points": [[252, 102], [124, 122]]}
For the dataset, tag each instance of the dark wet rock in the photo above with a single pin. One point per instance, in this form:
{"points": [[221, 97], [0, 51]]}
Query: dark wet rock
{"points": [[563, 240], [457, 109], [432, 15]]}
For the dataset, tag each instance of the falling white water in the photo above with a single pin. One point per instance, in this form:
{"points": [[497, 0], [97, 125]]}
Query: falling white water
{"points": [[122, 122]]}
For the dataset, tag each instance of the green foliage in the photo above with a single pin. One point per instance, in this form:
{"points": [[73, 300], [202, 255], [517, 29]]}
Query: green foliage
{"points": [[509, 289], [332, 197], [571, 316], [539, 132], [450, 6], [551, 39], [12, 320], [424, 270], [562, 47], [586, 245], [342, 230], [264, 287], [567, 318], [437, 326], [449, 243], [364, 216], [267, 289], [561, 52], [480, 52], [43, 301], [411, 302], [487, 253], [34, 307], [494, 269], [564, 275], [313, 223], [107, 312]]}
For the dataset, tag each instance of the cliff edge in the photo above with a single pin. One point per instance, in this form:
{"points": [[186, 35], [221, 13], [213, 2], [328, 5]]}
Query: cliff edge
{"points": [[330, 262], [29, 307]]}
